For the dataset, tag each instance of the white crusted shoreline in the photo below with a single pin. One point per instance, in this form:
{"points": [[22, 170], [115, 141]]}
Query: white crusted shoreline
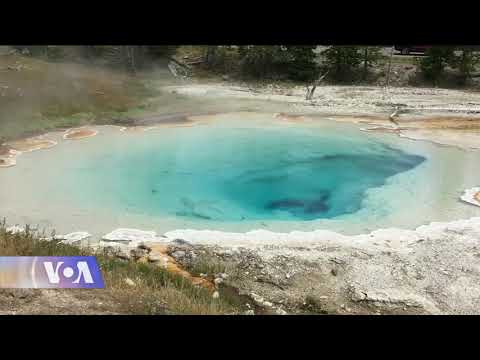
{"points": [[391, 238], [432, 269]]}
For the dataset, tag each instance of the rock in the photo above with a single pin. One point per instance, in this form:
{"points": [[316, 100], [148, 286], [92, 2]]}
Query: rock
{"points": [[256, 298], [224, 253], [249, 312], [259, 301], [216, 295], [155, 257], [73, 237], [391, 298], [178, 254], [280, 312], [128, 235], [138, 253], [122, 254], [144, 247], [121, 251], [129, 282], [180, 242]]}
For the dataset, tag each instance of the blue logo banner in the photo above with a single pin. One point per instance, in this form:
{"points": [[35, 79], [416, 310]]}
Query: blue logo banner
{"points": [[50, 272]]}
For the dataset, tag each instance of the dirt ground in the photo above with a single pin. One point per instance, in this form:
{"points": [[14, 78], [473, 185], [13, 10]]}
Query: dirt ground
{"points": [[57, 302]]}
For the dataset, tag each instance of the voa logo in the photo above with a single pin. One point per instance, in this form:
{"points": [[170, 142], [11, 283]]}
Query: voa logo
{"points": [[56, 272]]}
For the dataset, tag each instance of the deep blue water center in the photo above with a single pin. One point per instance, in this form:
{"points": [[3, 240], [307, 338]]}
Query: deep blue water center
{"points": [[235, 173]]}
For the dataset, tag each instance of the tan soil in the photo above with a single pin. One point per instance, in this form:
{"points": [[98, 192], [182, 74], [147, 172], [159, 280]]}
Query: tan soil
{"points": [[4, 150], [477, 196], [58, 302], [31, 144], [289, 117], [444, 122], [79, 134], [174, 267]]}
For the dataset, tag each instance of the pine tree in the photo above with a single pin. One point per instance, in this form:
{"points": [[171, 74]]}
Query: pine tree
{"points": [[342, 61], [302, 63], [261, 61], [435, 61], [465, 62], [371, 55]]}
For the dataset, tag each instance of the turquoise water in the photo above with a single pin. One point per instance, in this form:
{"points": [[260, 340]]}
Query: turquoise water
{"points": [[233, 173], [239, 172]]}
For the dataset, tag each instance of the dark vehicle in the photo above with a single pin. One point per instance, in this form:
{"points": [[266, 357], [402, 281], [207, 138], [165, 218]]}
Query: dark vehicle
{"points": [[407, 49]]}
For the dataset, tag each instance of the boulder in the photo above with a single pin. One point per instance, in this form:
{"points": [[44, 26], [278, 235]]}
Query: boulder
{"points": [[138, 253], [119, 250], [155, 257], [180, 242], [178, 255], [129, 282]]}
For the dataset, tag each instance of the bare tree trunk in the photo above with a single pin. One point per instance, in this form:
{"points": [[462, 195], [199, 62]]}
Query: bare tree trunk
{"points": [[365, 63], [131, 58], [395, 113], [389, 67], [311, 91], [210, 55]]}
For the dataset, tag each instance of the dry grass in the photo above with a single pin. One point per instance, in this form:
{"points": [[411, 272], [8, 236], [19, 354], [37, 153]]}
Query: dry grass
{"points": [[37, 95], [154, 290]]}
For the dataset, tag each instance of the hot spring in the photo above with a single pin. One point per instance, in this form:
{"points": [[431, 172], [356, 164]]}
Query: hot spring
{"points": [[238, 172]]}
